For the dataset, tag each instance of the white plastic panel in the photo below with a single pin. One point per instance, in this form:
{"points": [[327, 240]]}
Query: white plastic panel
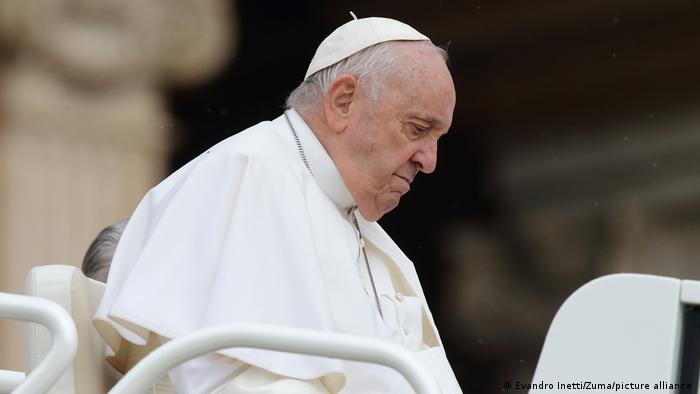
{"points": [[51, 282], [690, 292], [618, 329]]}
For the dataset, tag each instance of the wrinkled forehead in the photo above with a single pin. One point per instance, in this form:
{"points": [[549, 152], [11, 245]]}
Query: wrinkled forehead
{"points": [[422, 63], [425, 85]]}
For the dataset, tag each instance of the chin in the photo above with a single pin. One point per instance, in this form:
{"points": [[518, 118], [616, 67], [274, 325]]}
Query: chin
{"points": [[376, 213], [370, 215], [382, 204]]}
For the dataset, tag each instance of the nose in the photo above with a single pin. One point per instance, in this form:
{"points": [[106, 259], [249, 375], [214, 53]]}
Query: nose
{"points": [[425, 157]]}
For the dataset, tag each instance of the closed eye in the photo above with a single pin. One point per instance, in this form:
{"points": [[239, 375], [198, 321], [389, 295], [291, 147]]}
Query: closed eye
{"points": [[419, 130]]}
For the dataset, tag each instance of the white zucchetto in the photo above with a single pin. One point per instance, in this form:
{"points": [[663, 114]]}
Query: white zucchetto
{"points": [[357, 35]]}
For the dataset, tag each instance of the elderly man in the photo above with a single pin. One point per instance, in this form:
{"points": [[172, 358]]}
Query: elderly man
{"points": [[277, 225]]}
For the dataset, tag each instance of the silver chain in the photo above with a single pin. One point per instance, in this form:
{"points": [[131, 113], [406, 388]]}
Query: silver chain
{"points": [[354, 217], [364, 254], [296, 139]]}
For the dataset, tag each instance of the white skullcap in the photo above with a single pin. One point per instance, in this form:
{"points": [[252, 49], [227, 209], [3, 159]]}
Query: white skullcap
{"points": [[357, 35]]}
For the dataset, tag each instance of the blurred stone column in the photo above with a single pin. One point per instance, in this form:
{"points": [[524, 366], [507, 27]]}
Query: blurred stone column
{"points": [[84, 131]]}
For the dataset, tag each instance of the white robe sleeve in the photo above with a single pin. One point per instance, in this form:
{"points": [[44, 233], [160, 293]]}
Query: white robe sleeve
{"points": [[226, 239]]}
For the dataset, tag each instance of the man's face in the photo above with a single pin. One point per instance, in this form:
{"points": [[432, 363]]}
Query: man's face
{"points": [[390, 141]]}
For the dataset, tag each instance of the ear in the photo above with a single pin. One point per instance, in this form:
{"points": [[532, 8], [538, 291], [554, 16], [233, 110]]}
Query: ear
{"points": [[337, 104]]}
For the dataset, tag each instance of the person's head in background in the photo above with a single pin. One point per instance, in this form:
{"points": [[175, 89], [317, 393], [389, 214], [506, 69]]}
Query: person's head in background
{"points": [[98, 257]]}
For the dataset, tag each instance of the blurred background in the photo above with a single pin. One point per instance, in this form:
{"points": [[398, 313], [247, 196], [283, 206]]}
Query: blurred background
{"points": [[574, 151]]}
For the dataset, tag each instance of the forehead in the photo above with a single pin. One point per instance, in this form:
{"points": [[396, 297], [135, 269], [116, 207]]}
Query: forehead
{"points": [[423, 87]]}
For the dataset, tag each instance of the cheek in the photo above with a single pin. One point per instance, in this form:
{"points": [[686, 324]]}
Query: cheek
{"points": [[389, 159], [402, 156], [380, 173], [383, 150]]}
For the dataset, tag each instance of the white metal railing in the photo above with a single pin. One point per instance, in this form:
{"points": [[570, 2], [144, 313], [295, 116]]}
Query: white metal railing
{"points": [[63, 333], [9, 380], [144, 374]]}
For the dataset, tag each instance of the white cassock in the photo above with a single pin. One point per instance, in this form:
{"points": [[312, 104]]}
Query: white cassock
{"points": [[245, 233]]}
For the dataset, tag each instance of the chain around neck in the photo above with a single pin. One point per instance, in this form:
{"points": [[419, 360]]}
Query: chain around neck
{"points": [[298, 142], [352, 211]]}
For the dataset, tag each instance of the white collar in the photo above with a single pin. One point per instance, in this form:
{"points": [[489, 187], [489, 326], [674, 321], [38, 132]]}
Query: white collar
{"points": [[324, 170]]}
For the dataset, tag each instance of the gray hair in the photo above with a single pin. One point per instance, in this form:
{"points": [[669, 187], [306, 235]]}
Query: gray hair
{"points": [[98, 257], [371, 66]]}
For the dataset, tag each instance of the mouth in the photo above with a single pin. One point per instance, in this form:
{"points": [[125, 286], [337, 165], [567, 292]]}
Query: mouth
{"points": [[404, 178], [403, 189]]}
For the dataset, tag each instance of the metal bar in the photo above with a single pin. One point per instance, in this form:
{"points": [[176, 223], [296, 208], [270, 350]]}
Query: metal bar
{"points": [[9, 380], [63, 332], [294, 340]]}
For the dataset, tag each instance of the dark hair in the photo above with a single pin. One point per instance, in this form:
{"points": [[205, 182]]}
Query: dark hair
{"points": [[99, 255]]}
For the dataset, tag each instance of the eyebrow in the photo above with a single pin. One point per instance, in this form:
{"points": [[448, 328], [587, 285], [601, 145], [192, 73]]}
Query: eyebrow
{"points": [[427, 118]]}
